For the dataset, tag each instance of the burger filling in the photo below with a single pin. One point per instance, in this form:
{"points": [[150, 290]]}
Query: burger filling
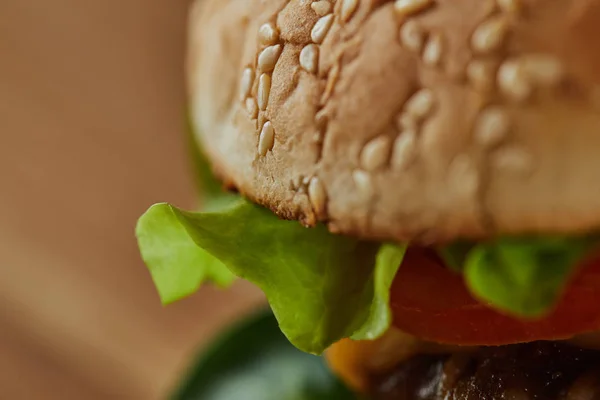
{"points": [[472, 365], [399, 367], [446, 302]]}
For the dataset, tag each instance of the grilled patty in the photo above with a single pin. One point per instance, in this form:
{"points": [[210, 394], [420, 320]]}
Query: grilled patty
{"points": [[540, 371]]}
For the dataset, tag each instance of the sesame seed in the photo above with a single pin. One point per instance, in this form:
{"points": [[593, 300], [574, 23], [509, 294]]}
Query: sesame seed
{"points": [[264, 91], [321, 28], [268, 58], [297, 182], [412, 36], [463, 175], [432, 54], [348, 8], [268, 34], [309, 58], [252, 108], [481, 75], [491, 126], [317, 137], [513, 159], [405, 148], [406, 122], [321, 120], [375, 153], [362, 181], [513, 81], [543, 69], [332, 79], [406, 8], [490, 35], [246, 83], [510, 6], [266, 141], [420, 104], [321, 8], [317, 196]]}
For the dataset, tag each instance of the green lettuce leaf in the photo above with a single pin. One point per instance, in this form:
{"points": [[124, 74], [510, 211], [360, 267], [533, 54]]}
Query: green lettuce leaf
{"points": [[321, 287], [387, 263], [455, 254], [177, 265], [524, 276], [253, 360]]}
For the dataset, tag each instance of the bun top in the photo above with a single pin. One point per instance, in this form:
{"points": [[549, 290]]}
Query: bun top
{"points": [[424, 120]]}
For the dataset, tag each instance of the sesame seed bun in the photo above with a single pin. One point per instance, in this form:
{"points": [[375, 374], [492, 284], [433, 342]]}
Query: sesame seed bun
{"points": [[425, 120]]}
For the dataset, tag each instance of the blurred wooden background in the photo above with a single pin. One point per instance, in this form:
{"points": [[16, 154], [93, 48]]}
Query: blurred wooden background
{"points": [[91, 105]]}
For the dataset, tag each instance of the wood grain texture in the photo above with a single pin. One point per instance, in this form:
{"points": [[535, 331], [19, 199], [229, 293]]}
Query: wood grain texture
{"points": [[91, 106]]}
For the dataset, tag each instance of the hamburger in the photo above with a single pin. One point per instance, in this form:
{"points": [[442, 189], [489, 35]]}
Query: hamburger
{"points": [[414, 185]]}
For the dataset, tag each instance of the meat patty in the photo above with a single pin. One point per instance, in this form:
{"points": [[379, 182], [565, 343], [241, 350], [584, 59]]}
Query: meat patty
{"points": [[539, 370]]}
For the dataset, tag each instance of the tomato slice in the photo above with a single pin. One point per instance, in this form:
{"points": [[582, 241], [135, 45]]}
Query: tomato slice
{"points": [[432, 302]]}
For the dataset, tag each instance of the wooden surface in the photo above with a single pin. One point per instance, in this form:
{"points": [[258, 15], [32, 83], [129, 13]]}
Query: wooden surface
{"points": [[91, 105]]}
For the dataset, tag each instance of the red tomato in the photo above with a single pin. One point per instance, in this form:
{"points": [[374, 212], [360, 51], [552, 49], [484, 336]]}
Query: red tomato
{"points": [[432, 302]]}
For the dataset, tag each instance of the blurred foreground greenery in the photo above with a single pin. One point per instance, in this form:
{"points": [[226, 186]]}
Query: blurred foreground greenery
{"points": [[254, 361]]}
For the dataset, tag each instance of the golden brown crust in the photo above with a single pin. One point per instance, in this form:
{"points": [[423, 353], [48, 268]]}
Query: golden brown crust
{"points": [[418, 120]]}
